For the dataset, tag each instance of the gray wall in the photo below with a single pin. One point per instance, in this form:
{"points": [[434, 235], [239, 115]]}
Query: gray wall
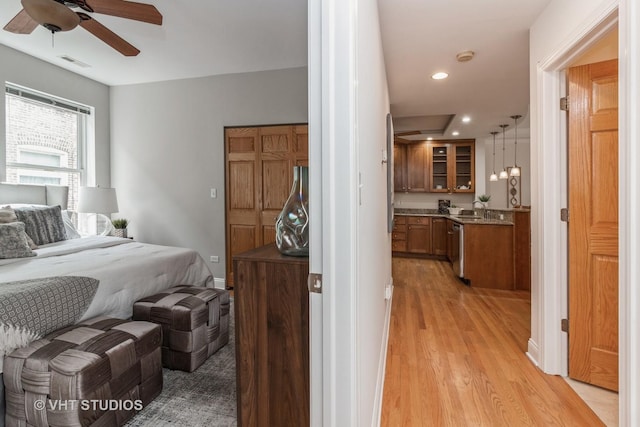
{"points": [[33, 73], [167, 150]]}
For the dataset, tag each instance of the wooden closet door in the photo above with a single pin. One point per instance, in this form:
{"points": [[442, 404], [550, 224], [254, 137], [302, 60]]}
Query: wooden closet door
{"points": [[242, 193], [593, 223], [259, 176], [276, 166]]}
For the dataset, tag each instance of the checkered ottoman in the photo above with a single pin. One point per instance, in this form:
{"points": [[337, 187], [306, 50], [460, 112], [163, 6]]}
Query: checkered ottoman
{"points": [[194, 320], [100, 372]]}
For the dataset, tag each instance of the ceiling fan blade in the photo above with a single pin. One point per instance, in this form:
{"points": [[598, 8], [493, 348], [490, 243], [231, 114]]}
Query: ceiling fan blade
{"points": [[127, 9], [21, 24], [108, 36]]}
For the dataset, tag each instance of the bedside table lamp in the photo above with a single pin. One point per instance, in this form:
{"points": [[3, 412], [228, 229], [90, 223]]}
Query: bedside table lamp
{"points": [[101, 202]]}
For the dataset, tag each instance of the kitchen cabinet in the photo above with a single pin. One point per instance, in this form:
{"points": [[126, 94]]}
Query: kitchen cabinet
{"points": [[419, 235], [410, 167], [522, 244], [272, 338], [439, 236], [452, 167], [417, 168], [489, 256], [399, 167], [451, 244], [399, 234]]}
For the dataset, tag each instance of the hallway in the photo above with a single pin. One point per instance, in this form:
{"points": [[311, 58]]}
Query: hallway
{"points": [[456, 357]]}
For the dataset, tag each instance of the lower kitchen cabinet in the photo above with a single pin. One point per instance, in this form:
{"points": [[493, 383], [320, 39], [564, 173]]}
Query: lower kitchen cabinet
{"points": [[451, 245], [399, 234], [439, 236], [419, 235], [489, 256]]}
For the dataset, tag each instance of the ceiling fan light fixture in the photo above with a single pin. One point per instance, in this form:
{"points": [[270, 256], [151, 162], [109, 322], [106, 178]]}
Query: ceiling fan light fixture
{"points": [[52, 15]]}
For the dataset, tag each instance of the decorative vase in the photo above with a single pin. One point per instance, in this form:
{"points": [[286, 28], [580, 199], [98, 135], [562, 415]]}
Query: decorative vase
{"points": [[120, 232], [292, 225]]}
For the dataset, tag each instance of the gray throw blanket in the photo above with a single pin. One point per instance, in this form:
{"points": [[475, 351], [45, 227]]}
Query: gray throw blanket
{"points": [[30, 309]]}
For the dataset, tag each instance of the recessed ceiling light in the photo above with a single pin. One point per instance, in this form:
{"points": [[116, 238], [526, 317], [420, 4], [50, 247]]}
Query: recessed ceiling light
{"points": [[455, 133], [439, 76], [430, 139], [466, 119]]}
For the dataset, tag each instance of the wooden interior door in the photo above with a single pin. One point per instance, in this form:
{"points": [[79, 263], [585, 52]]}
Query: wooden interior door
{"points": [[593, 223], [277, 176], [242, 198], [259, 176]]}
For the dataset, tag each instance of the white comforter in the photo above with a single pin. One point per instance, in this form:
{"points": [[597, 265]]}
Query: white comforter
{"points": [[127, 270]]}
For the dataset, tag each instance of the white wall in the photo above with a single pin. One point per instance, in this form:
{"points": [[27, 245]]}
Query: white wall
{"points": [[33, 73], [167, 150], [356, 247], [374, 241], [558, 38]]}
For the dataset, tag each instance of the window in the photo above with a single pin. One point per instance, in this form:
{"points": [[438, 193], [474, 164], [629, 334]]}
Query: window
{"points": [[45, 140]]}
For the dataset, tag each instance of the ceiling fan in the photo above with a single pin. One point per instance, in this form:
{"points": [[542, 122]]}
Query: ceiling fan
{"points": [[58, 15]]}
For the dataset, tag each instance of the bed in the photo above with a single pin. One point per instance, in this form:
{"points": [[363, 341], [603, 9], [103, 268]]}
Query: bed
{"points": [[126, 270]]}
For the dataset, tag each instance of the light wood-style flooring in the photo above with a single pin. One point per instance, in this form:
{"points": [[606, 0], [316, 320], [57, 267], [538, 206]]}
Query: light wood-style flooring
{"points": [[456, 357]]}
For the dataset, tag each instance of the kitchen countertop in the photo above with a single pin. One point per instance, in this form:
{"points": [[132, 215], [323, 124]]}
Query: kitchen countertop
{"points": [[464, 219]]}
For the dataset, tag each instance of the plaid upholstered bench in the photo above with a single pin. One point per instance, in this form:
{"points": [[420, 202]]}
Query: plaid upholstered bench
{"points": [[97, 373], [194, 320]]}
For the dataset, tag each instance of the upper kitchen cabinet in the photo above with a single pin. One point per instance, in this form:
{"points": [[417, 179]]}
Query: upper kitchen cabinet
{"points": [[436, 167], [411, 167], [452, 166]]}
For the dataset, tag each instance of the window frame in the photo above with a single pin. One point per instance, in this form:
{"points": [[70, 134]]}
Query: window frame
{"points": [[84, 115]]}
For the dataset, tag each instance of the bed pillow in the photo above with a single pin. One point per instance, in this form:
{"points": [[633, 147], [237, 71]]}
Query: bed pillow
{"points": [[69, 227], [13, 243], [7, 215], [43, 224]]}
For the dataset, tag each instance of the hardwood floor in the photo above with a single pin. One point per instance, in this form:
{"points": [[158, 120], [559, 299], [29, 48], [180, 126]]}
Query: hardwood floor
{"points": [[456, 357]]}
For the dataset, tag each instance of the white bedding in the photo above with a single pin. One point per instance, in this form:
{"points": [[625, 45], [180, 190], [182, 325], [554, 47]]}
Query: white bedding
{"points": [[127, 270]]}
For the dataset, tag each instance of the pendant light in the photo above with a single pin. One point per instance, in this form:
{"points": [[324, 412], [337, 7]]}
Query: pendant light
{"points": [[493, 176], [515, 170], [503, 172]]}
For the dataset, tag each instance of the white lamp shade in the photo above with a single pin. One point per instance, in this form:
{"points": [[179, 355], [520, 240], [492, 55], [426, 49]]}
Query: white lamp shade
{"points": [[493, 177], [515, 171], [504, 174], [97, 200]]}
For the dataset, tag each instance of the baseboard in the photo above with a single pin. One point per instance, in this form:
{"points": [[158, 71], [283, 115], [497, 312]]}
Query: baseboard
{"points": [[533, 352], [219, 283], [383, 362]]}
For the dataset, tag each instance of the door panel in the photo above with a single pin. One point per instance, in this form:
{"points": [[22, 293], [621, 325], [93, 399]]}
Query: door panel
{"points": [[593, 226]]}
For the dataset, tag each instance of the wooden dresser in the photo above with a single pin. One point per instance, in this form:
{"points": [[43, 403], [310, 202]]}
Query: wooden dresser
{"points": [[272, 338]]}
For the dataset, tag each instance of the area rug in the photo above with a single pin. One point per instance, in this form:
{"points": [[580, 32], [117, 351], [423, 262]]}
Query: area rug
{"points": [[206, 397]]}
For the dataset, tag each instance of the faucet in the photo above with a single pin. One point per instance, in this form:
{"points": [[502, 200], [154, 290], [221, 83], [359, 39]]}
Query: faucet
{"points": [[486, 212]]}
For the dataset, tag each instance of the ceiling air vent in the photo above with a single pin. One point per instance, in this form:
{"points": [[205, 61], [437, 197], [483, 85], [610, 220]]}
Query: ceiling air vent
{"points": [[75, 61], [465, 56]]}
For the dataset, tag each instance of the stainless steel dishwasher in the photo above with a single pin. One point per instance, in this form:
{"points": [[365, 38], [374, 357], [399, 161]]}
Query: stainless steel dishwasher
{"points": [[458, 249]]}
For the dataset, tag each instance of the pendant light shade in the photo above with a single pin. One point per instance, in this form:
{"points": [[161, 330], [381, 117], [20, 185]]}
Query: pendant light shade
{"points": [[515, 170], [494, 176], [503, 172]]}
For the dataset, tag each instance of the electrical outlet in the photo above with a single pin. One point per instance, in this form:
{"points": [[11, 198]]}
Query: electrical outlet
{"points": [[214, 258]]}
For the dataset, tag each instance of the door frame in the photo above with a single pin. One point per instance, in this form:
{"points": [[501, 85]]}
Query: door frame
{"points": [[550, 270]]}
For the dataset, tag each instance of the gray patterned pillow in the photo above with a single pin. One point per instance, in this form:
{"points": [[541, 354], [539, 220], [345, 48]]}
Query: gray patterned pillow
{"points": [[43, 224], [13, 243], [7, 215]]}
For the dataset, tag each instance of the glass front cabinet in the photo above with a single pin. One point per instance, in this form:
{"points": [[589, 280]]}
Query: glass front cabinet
{"points": [[452, 167]]}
